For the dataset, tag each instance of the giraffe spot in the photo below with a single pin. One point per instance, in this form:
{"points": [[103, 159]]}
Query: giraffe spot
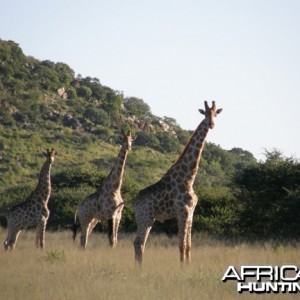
{"points": [[168, 186], [181, 188], [184, 168], [181, 174], [196, 153], [168, 179], [178, 179]]}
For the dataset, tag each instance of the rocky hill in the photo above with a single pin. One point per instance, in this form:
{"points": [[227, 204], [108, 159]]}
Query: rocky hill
{"points": [[44, 104]]}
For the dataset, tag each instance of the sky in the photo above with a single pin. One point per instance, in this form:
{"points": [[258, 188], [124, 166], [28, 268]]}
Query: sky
{"points": [[173, 54]]}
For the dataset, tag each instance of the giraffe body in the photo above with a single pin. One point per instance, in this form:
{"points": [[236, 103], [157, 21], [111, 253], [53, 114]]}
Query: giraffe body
{"points": [[34, 210], [173, 196], [107, 202]]}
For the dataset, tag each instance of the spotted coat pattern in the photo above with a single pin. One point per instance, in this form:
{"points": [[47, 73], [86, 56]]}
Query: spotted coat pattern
{"points": [[106, 202], [173, 195], [34, 210]]}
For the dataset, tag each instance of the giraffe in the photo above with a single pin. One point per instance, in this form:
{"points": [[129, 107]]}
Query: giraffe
{"points": [[106, 203], [173, 195], [34, 210]]}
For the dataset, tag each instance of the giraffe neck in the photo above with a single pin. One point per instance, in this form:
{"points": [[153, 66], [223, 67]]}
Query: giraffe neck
{"points": [[44, 184], [115, 178], [186, 167]]}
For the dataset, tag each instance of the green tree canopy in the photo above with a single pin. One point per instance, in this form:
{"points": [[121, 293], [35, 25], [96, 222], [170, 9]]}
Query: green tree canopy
{"points": [[136, 106]]}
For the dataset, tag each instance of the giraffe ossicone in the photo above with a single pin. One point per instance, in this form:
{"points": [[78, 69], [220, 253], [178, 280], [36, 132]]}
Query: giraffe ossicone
{"points": [[173, 195], [34, 210], [106, 203]]}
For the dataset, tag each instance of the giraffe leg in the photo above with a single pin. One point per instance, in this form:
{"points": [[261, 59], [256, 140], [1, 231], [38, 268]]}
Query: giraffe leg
{"points": [[86, 230], [140, 241], [84, 235], [37, 237], [6, 243], [188, 241], [110, 231], [185, 221], [182, 235], [11, 240], [115, 227], [13, 244], [40, 235], [92, 225]]}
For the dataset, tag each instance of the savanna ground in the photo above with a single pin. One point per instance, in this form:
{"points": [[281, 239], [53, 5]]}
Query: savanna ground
{"points": [[64, 271]]}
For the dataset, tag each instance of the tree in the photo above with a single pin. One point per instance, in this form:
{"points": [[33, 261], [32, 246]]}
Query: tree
{"points": [[274, 157], [72, 94], [269, 194], [65, 73], [147, 140], [97, 116], [84, 92], [112, 104], [47, 76], [168, 143], [136, 106]]}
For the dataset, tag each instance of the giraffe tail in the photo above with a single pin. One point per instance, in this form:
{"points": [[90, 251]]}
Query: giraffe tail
{"points": [[3, 214], [121, 204], [75, 226]]}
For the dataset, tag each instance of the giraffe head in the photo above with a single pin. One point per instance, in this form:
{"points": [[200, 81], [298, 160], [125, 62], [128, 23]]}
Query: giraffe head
{"points": [[50, 154], [128, 139], [210, 113]]}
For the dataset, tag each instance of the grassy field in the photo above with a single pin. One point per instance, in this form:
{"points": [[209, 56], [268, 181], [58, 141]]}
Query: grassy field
{"points": [[63, 271]]}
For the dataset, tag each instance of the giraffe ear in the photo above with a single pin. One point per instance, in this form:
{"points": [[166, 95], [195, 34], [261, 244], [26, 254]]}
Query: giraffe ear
{"points": [[46, 153], [201, 111], [219, 110]]}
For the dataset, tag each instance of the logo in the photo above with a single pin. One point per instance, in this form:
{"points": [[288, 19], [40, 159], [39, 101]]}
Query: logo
{"points": [[264, 279]]}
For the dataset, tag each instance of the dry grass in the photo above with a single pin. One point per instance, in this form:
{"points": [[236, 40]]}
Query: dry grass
{"points": [[63, 271]]}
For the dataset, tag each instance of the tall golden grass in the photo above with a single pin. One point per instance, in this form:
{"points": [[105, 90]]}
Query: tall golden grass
{"points": [[64, 271]]}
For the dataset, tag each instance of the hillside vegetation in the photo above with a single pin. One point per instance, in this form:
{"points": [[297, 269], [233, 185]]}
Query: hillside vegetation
{"points": [[43, 104]]}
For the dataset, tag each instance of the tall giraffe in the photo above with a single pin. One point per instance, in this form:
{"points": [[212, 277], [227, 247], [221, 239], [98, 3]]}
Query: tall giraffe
{"points": [[106, 202], [34, 210], [173, 195]]}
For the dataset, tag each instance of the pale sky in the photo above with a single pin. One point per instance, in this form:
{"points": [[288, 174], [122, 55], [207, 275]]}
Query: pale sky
{"points": [[173, 54]]}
